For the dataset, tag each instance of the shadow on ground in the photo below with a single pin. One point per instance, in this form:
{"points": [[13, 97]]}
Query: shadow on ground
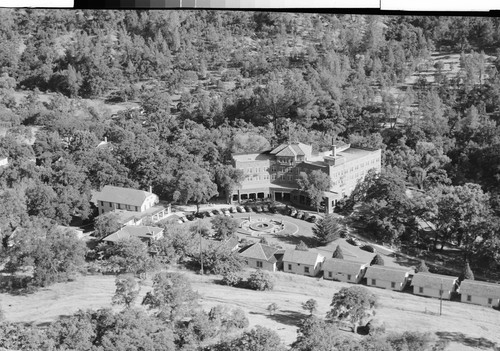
{"points": [[286, 317], [477, 343]]}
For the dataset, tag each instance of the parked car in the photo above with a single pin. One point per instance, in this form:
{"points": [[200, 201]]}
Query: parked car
{"points": [[312, 219], [226, 213], [368, 248], [257, 209], [200, 214], [299, 215], [209, 214], [265, 208], [247, 208], [190, 217], [240, 209], [306, 216], [233, 210], [292, 212], [273, 209], [217, 212]]}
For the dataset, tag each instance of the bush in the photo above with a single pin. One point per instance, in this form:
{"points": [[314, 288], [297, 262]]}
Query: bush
{"points": [[377, 261], [352, 241], [368, 248], [466, 272], [422, 267], [260, 280], [338, 253], [232, 279]]}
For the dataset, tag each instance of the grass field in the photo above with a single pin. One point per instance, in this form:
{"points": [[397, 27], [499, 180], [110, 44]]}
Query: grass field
{"points": [[469, 327]]}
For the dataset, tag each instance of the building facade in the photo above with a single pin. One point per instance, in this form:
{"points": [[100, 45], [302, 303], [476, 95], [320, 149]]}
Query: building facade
{"points": [[480, 293], [112, 198], [392, 278], [273, 173], [343, 270], [434, 285], [302, 262]]}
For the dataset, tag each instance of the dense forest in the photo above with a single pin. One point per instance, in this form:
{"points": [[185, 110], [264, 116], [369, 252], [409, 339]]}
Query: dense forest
{"points": [[205, 84]]}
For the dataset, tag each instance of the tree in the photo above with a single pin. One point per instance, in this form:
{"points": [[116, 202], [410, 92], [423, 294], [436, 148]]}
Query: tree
{"points": [[127, 255], [301, 246], [318, 335], [195, 185], [229, 178], [172, 296], [126, 292], [466, 272], [328, 229], [272, 308], [422, 267], [106, 224], [410, 340], [219, 259], [257, 339], [260, 280], [314, 184], [338, 253], [310, 305], [352, 305], [377, 260], [224, 227]]}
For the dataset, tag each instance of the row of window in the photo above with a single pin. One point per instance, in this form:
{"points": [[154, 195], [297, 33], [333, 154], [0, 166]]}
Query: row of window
{"points": [[121, 206], [306, 269]]}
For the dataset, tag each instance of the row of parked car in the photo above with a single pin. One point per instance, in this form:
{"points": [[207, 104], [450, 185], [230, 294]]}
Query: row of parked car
{"points": [[226, 212], [301, 215]]}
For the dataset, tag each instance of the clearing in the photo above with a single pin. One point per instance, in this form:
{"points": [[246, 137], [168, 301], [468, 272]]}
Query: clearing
{"points": [[469, 327]]}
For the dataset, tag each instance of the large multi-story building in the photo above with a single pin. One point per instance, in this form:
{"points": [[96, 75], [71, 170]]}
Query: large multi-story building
{"points": [[273, 173]]}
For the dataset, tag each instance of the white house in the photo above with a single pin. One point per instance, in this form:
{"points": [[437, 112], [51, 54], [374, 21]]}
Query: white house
{"points": [[116, 198], [480, 293], [302, 262], [393, 278], [261, 256], [343, 270], [433, 285]]}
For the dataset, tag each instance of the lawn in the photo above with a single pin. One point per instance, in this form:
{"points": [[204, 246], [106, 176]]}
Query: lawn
{"points": [[469, 327]]}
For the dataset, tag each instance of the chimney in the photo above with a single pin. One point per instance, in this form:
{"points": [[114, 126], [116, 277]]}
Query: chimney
{"points": [[105, 139], [150, 189], [334, 150]]}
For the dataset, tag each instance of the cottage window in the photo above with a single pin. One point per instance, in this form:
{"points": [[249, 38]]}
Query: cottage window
{"points": [[393, 285], [306, 269], [136, 208], [374, 282], [102, 203], [329, 274], [259, 264], [490, 301], [420, 290], [119, 206], [348, 277], [289, 267], [469, 298], [110, 204], [440, 292]]}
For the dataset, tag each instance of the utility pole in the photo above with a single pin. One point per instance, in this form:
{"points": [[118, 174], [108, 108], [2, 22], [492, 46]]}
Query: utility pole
{"points": [[201, 249], [441, 298]]}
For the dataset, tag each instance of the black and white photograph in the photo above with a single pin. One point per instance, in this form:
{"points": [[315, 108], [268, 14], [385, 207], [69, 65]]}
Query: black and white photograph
{"points": [[249, 180]]}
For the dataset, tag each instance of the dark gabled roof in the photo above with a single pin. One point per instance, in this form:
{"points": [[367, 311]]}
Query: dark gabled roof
{"points": [[342, 266], [130, 231], [260, 252], [475, 288], [302, 257], [120, 195], [393, 274], [289, 150], [430, 280]]}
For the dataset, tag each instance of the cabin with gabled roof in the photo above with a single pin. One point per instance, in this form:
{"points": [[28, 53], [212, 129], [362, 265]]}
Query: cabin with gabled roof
{"points": [[393, 278], [261, 256], [343, 270], [434, 285], [302, 262], [480, 293]]}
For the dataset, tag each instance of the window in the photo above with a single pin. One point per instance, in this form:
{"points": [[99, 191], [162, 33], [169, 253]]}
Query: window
{"points": [[469, 298], [329, 274], [420, 290], [490, 301], [289, 267], [393, 285], [110, 204], [136, 208], [374, 282], [102, 211], [259, 264], [119, 206], [348, 277], [440, 292], [102, 203], [306, 269]]}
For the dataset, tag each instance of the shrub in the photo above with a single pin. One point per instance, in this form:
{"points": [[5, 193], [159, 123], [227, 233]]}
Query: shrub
{"points": [[338, 253], [352, 241], [377, 260], [422, 267], [466, 272], [301, 246], [260, 280], [232, 279], [368, 248]]}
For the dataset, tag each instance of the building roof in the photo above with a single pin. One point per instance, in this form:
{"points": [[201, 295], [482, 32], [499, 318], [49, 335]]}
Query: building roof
{"points": [[430, 280], [122, 195], [343, 266], [137, 231], [260, 252], [475, 288], [289, 150], [393, 274], [302, 257]]}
